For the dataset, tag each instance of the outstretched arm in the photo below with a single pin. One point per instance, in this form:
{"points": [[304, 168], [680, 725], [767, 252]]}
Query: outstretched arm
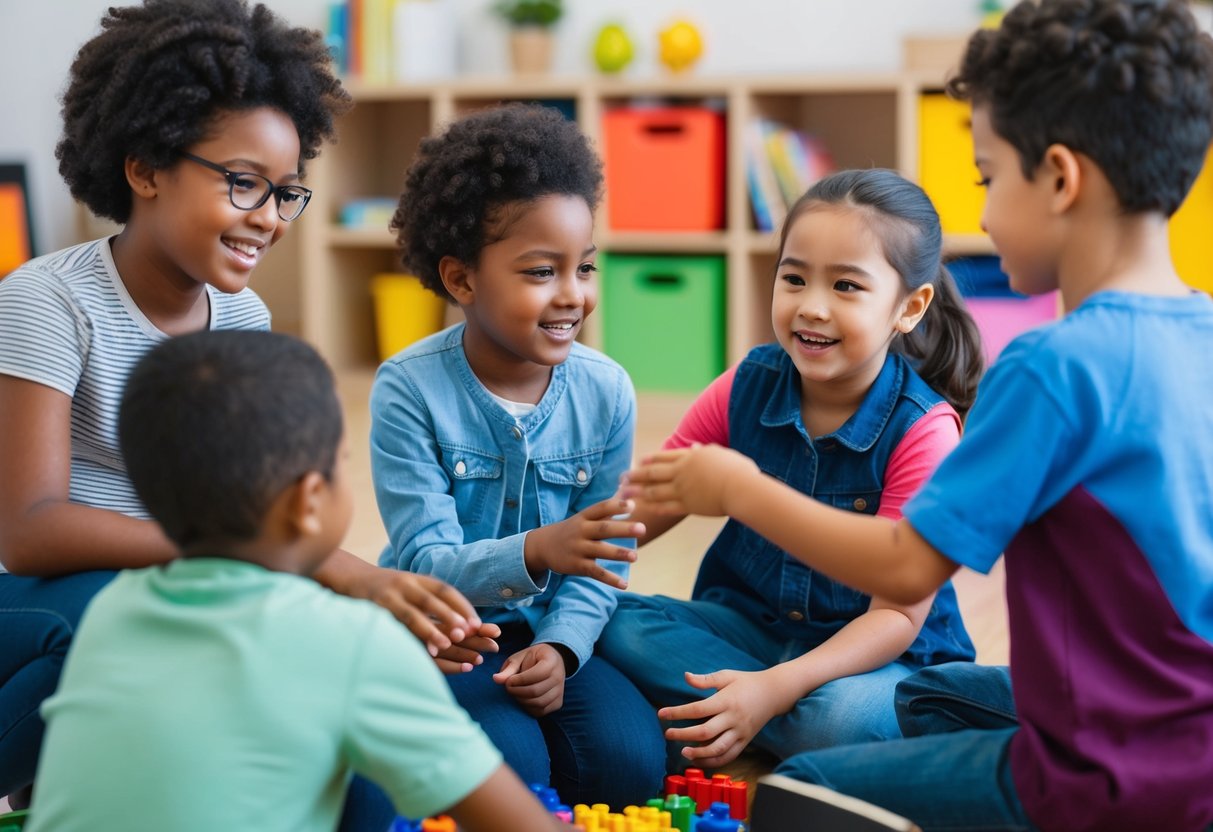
{"points": [[881, 557]]}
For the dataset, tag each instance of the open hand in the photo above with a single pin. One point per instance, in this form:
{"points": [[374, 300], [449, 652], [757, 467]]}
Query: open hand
{"points": [[695, 480], [574, 546], [535, 677], [743, 703]]}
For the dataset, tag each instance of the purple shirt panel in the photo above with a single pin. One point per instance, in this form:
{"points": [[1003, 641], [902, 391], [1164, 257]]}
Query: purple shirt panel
{"points": [[1114, 693]]}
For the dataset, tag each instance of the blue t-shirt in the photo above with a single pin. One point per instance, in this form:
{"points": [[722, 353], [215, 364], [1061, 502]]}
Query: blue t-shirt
{"points": [[1088, 458]]}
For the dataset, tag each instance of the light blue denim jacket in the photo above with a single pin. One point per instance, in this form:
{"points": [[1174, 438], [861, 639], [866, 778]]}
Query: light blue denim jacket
{"points": [[459, 481]]}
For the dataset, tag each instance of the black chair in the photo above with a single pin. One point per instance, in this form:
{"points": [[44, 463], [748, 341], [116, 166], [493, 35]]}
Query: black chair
{"points": [[782, 804]]}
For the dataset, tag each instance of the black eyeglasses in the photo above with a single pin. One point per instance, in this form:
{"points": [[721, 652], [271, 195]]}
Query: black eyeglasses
{"points": [[249, 191]]}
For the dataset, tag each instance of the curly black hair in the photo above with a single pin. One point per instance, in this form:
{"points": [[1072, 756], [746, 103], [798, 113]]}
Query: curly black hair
{"points": [[461, 179], [153, 81], [1128, 83], [216, 488]]}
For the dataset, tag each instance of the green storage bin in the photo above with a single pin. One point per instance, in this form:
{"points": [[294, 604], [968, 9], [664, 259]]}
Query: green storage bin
{"points": [[663, 318]]}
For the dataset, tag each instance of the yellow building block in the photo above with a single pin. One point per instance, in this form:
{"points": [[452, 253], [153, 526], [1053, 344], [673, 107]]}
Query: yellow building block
{"points": [[945, 165], [1192, 232]]}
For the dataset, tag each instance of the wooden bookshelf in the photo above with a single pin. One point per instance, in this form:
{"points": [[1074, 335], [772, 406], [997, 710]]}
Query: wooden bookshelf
{"points": [[864, 120]]}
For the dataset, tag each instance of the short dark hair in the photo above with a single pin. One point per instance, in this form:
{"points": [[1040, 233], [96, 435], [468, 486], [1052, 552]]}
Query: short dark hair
{"points": [[152, 83], [214, 425], [1128, 83], [945, 347], [460, 179]]}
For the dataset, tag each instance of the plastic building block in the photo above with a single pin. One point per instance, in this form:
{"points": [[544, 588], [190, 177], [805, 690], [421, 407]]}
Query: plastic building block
{"points": [[723, 800], [442, 823], [14, 821], [717, 820], [551, 801]]}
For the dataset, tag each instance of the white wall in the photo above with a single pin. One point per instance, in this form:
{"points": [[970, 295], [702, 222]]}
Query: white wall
{"points": [[38, 39]]}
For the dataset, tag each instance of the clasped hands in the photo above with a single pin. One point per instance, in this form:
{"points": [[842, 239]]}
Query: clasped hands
{"points": [[700, 479]]}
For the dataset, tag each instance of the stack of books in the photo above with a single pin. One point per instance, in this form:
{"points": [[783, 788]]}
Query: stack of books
{"points": [[781, 164], [386, 41]]}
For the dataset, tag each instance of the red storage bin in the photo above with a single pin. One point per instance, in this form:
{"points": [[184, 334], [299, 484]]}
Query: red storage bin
{"points": [[664, 169]]}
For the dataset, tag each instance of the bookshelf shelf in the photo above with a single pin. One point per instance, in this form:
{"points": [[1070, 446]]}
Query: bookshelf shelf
{"points": [[360, 238], [864, 120]]}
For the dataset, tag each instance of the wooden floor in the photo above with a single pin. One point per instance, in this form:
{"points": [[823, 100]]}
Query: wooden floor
{"points": [[667, 565]]}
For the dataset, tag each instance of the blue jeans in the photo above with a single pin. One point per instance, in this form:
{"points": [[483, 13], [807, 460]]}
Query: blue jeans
{"points": [[952, 772], [653, 639], [604, 745], [38, 618]]}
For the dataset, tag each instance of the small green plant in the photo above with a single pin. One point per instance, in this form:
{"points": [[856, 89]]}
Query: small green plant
{"points": [[529, 12]]}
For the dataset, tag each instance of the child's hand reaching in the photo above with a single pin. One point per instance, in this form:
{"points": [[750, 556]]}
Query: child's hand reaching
{"points": [[434, 611], [743, 703], [695, 480], [535, 677], [463, 656], [573, 546]]}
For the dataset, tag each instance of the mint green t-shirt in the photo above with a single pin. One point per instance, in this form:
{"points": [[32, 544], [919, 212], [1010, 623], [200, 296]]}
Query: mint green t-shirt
{"points": [[213, 694]]}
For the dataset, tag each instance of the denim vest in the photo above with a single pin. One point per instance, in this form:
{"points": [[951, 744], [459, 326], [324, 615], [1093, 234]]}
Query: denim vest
{"points": [[844, 469], [460, 481]]}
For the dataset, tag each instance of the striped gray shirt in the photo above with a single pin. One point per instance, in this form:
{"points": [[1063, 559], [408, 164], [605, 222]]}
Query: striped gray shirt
{"points": [[67, 321]]}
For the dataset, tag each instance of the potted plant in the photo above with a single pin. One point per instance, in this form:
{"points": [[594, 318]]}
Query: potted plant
{"points": [[530, 23]]}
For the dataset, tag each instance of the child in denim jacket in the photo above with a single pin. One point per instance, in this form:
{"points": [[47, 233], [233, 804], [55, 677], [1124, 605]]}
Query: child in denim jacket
{"points": [[845, 409], [497, 447]]}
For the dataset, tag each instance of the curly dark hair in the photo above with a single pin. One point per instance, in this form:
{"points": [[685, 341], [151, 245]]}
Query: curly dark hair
{"points": [[461, 179], [216, 488], [153, 81], [1128, 83]]}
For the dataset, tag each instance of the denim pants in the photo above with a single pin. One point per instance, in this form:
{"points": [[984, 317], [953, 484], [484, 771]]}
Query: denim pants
{"points": [[38, 618], [604, 745], [952, 771], [654, 639]]}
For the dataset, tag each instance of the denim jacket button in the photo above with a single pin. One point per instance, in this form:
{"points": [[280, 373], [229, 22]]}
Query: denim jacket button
{"points": [[860, 503], [461, 468], [510, 502], [507, 593], [515, 432], [796, 615], [582, 476]]}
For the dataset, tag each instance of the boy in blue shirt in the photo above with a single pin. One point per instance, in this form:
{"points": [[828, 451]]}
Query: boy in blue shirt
{"points": [[1088, 458], [226, 689]]}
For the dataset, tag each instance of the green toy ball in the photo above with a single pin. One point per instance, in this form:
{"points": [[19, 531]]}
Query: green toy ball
{"points": [[613, 48]]}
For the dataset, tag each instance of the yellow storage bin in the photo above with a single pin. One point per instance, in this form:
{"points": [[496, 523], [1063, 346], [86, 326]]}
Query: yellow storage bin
{"points": [[1191, 237], [945, 164], [405, 311]]}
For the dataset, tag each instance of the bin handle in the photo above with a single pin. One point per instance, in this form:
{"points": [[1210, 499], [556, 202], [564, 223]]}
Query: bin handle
{"points": [[663, 281], [666, 129]]}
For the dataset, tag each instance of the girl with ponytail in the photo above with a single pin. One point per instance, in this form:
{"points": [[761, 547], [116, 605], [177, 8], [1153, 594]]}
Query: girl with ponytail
{"points": [[875, 363]]}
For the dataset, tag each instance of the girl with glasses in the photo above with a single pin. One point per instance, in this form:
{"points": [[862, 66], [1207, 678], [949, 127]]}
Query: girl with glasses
{"points": [[188, 123]]}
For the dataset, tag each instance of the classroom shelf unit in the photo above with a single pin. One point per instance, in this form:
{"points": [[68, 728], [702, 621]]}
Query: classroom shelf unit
{"points": [[863, 120]]}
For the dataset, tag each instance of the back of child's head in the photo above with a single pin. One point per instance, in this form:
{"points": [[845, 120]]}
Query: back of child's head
{"points": [[215, 425], [461, 191], [945, 347], [151, 83], [1127, 83]]}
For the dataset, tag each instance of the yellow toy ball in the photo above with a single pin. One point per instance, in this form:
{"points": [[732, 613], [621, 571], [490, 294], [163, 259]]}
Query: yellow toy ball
{"points": [[680, 45], [613, 48]]}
